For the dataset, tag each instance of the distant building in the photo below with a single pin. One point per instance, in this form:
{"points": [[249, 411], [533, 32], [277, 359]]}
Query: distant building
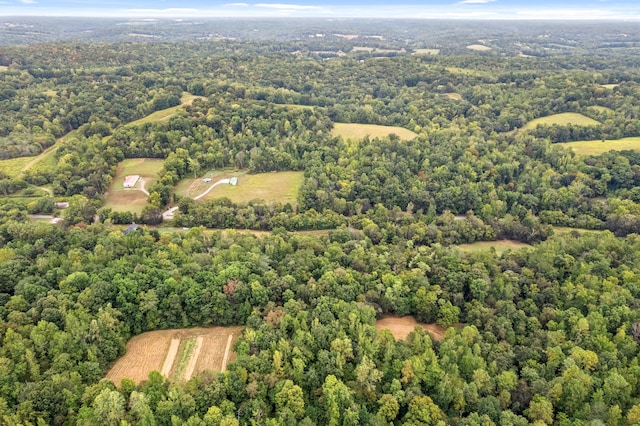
{"points": [[130, 228], [206, 180], [233, 181], [62, 205], [130, 181]]}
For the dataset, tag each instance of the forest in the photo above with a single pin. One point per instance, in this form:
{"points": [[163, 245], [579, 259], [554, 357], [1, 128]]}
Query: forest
{"points": [[381, 225]]}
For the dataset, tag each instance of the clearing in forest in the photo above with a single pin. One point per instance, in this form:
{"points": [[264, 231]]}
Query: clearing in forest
{"points": [[178, 354], [562, 231], [601, 109], [165, 114], [274, 187], [360, 131], [13, 166], [599, 146], [400, 327], [610, 86], [562, 119], [479, 47], [133, 199], [3, 68], [500, 246], [453, 96], [426, 51]]}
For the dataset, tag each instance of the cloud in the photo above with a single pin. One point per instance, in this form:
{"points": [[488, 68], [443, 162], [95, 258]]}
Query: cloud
{"points": [[236, 5], [163, 11], [281, 6], [28, 1], [475, 1]]}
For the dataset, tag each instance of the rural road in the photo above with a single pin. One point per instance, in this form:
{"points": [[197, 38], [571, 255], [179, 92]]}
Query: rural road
{"points": [[142, 188], [220, 182], [168, 214]]}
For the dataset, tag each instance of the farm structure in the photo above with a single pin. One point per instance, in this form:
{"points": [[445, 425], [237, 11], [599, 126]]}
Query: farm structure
{"points": [[130, 181]]}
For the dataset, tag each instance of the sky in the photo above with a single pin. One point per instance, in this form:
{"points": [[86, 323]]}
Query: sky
{"points": [[425, 9]]}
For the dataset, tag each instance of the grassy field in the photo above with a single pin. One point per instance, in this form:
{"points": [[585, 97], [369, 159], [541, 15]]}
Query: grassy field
{"points": [[500, 246], [562, 120], [3, 68], [132, 199], [467, 71], [359, 131], [601, 109], [165, 114], [479, 47], [198, 349], [564, 230], [281, 187], [193, 187], [13, 167], [598, 147], [610, 86], [426, 52]]}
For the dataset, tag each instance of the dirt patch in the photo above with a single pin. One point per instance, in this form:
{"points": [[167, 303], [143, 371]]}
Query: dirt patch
{"points": [[214, 355], [162, 351], [145, 353], [400, 327]]}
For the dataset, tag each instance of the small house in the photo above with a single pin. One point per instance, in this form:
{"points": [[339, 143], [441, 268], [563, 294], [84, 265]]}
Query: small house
{"points": [[206, 180], [233, 181]]}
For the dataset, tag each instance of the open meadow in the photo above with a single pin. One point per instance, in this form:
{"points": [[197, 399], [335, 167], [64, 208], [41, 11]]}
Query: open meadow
{"points": [[177, 354], [598, 146], [134, 199], [360, 131], [500, 246], [275, 187], [562, 119], [165, 114]]}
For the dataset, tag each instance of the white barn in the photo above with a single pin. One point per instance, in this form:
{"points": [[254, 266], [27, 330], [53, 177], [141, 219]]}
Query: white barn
{"points": [[130, 181]]}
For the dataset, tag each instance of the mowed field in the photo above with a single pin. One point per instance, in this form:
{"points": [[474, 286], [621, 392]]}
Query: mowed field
{"points": [[132, 199], [359, 131], [277, 187], [177, 354], [500, 246], [598, 146], [165, 114], [13, 167], [479, 47], [562, 119], [400, 327]]}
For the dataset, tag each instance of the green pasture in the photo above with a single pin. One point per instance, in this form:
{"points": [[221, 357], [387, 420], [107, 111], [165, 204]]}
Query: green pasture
{"points": [[360, 131], [276, 187], [598, 146], [562, 119], [132, 200], [499, 246]]}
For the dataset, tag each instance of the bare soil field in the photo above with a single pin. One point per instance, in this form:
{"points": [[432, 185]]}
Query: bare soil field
{"points": [[164, 350], [400, 327]]}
